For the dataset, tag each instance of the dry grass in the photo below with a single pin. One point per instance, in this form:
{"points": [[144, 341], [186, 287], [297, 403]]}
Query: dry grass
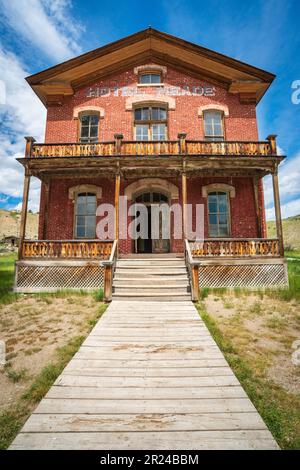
{"points": [[256, 332], [41, 334]]}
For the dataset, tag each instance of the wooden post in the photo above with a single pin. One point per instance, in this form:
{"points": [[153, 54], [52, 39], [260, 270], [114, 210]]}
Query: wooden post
{"points": [[182, 144], [272, 139], [29, 143], [278, 211], [24, 211], [184, 201], [107, 282], [257, 205], [195, 282], [117, 197], [47, 191], [118, 143]]}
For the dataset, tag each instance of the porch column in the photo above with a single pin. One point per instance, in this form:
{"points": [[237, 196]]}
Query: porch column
{"points": [[24, 211], [28, 148], [277, 211], [117, 196], [47, 191], [184, 200], [257, 205]]}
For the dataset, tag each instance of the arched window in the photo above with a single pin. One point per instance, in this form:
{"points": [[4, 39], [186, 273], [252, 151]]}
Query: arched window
{"points": [[89, 128], [150, 123], [85, 215], [213, 125], [218, 214]]}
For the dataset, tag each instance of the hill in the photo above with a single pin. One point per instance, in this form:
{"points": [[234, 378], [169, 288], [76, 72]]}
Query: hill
{"points": [[10, 224], [291, 232]]}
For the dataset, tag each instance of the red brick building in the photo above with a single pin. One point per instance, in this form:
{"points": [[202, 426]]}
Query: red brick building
{"points": [[159, 120]]}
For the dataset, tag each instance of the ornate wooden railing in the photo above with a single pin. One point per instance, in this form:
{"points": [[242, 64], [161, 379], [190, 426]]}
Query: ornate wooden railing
{"points": [[152, 148], [66, 249], [234, 247]]}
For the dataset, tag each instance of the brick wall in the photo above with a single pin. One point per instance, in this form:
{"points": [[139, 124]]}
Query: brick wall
{"points": [[240, 124], [61, 208]]}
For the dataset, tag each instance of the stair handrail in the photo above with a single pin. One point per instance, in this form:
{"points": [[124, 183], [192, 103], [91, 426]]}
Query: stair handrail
{"points": [[193, 270], [109, 270]]}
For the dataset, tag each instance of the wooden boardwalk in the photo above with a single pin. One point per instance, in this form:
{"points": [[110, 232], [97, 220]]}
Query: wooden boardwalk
{"points": [[149, 376]]}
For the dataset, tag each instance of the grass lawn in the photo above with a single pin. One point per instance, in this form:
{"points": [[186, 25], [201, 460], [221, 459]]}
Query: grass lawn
{"points": [[41, 332], [256, 332]]}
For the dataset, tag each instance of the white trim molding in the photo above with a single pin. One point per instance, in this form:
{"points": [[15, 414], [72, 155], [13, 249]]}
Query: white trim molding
{"points": [[213, 107], [150, 68], [85, 188], [86, 109], [149, 99], [227, 188], [151, 184]]}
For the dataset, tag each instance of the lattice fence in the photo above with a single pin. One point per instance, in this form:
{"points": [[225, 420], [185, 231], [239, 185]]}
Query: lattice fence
{"points": [[256, 275], [43, 278]]}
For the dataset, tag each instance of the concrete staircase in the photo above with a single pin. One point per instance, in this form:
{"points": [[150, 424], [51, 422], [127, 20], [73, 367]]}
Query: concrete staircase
{"points": [[152, 278]]}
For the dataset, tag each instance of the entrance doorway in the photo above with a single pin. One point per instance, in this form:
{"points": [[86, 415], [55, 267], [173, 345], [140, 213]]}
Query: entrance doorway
{"points": [[150, 245]]}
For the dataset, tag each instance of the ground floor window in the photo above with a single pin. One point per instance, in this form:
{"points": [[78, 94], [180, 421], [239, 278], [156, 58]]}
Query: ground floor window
{"points": [[218, 214], [85, 215]]}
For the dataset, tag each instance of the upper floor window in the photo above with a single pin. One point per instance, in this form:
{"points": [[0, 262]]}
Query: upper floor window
{"points": [[150, 123], [149, 78], [85, 215], [218, 214], [213, 125], [89, 128]]}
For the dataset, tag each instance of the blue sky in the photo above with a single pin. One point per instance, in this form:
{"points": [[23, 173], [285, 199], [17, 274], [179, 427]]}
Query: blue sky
{"points": [[36, 34]]}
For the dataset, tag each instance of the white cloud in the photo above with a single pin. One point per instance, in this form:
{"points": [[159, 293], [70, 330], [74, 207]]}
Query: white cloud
{"points": [[44, 24], [47, 26], [289, 188]]}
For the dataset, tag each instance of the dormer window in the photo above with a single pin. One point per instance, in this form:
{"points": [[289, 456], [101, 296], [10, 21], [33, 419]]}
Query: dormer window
{"points": [[89, 128], [149, 78]]}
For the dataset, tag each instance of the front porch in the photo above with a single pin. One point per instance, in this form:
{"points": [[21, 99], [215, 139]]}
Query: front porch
{"points": [[246, 261]]}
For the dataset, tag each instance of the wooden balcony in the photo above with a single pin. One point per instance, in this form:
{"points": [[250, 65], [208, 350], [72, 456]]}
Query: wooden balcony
{"points": [[120, 147], [235, 248], [66, 249]]}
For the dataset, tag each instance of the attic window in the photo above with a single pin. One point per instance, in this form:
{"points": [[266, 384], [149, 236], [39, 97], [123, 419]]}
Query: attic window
{"points": [[149, 78]]}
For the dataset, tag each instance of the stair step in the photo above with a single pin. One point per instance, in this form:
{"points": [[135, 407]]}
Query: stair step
{"points": [[150, 264], [151, 289], [155, 283], [161, 295]]}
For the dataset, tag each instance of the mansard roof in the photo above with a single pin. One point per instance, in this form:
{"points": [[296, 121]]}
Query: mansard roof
{"points": [[52, 84]]}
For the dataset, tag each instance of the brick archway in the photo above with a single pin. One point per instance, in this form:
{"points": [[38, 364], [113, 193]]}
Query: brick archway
{"points": [[152, 184]]}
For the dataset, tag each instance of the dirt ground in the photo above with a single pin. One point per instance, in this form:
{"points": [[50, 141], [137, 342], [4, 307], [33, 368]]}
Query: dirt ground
{"points": [[33, 328], [264, 330]]}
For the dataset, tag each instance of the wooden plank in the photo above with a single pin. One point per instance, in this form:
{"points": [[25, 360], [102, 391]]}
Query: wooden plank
{"points": [[189, 440], [125, 393], [145, 382], [47, 423], [170, 364], [148, 372], [49, 405]]}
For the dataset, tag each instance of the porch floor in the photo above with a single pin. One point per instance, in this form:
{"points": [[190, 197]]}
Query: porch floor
{"points": [[147, 377]]}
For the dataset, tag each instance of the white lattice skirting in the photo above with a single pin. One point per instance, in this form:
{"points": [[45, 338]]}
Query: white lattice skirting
{"points": [[43, 276], [243, 274]]}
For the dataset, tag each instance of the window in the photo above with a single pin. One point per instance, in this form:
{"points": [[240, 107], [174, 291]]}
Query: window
{"points": [[150, 123], [150, 78], [213, 125], [218, 214], [85, 215], [89, 127]]}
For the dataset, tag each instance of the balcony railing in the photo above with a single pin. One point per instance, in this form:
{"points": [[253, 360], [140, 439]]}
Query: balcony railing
{"points": [[235, 247], [66, 249], [153, 148]]}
